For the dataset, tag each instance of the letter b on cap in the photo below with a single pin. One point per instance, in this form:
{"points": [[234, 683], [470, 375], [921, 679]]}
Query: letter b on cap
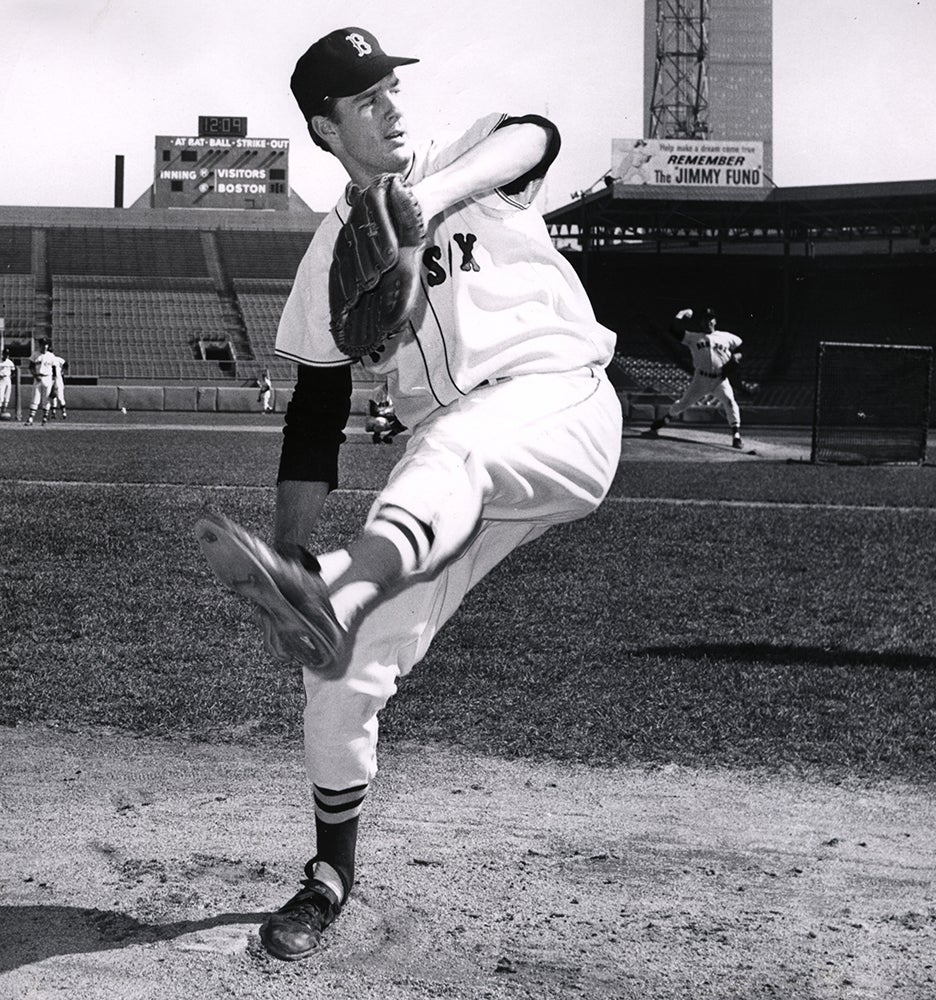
{"points": [[360, 43]]}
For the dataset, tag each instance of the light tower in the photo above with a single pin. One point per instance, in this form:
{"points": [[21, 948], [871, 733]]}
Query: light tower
{"points": [[679, 101]]}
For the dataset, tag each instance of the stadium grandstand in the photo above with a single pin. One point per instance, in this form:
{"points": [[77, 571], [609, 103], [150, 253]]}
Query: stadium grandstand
{"points": [[143, 294], [785, 269], [174, 297]]}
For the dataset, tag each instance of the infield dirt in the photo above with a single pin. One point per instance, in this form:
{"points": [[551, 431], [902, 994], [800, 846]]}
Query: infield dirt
{"points": [[137, 869]]}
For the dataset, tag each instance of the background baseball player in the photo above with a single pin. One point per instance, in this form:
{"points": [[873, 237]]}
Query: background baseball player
{"points": [[715, 353], [7, 368], [57, 396], [42, 364], [382, 421], [265, 395], [499, 376]]}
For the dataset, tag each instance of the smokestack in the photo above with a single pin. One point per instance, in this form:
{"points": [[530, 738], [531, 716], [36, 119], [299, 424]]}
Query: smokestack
{"points": [[118, 181]]}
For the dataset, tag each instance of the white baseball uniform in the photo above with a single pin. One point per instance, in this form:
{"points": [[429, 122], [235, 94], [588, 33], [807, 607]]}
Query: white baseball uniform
{"points": [[58, 381], [7, 367], [500, 378], [710, 352], [43, 365], [265, 396]]}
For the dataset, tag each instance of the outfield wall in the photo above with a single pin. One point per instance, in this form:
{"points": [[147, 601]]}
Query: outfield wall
{"points": [[182, 399], [638, 407]]}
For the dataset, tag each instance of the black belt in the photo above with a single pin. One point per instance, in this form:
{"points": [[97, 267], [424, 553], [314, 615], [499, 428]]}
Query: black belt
{"points": [[709, 374]]}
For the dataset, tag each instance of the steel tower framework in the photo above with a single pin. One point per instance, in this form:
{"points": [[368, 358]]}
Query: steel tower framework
{"points": [[679, 103]]}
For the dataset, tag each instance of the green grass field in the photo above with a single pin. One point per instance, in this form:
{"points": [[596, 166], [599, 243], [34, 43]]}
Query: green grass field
{"points": [[750, 614]]}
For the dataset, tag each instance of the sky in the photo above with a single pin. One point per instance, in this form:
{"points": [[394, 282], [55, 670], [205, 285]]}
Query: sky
{"points": [[82, 81]]}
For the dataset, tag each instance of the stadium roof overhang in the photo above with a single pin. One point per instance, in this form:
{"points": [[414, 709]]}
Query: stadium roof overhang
{"points": [[621, 215]]}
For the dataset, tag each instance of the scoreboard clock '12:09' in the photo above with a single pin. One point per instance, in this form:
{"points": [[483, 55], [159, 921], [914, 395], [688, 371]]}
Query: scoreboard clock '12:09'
{"points": [[234, 126]]}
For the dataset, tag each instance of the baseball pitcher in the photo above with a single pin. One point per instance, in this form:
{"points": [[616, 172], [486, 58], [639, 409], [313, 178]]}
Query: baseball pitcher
{"points": [[434, 272], [716, 354]]}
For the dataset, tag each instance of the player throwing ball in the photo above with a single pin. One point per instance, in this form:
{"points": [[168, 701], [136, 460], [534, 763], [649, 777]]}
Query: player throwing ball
{"points": [[495, 362], [715, 356]]}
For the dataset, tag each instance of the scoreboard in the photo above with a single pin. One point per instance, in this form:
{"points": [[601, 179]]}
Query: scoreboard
{"points": [[221, 167]]}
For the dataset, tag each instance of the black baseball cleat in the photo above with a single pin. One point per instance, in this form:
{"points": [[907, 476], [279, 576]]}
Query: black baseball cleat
{"points": [[736, 441], [295, 930], [298, 617]]}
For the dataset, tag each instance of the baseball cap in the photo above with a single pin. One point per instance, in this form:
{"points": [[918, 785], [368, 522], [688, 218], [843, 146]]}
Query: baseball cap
{"points": [[700, 319], [342, 63]]}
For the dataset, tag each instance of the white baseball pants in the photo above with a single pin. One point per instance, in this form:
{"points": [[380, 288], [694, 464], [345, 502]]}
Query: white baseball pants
{"points": [[488, 474], [703, 385], [42, 390]]}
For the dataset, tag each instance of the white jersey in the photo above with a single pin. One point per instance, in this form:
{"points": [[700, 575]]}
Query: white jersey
{"points": [[6, 370], [44, 363], [497, 298], [710, 351]]}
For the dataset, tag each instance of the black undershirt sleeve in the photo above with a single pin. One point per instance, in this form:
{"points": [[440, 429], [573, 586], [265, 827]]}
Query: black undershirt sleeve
{"points": [[677, 329], [314, 429], [552, 151]]}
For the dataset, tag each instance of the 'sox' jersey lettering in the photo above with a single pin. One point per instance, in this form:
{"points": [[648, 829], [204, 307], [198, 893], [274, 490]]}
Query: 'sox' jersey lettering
{"points": [[497, 299], [710, 351]]}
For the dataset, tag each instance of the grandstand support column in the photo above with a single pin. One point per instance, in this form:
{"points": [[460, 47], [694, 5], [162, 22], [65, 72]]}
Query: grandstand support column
{"points": [[19, 396], [584, 240], [43, 285], [784, 352]]}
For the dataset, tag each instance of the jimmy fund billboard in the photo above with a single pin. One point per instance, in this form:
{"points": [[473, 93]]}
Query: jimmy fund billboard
{"points": [[688, 162]]}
